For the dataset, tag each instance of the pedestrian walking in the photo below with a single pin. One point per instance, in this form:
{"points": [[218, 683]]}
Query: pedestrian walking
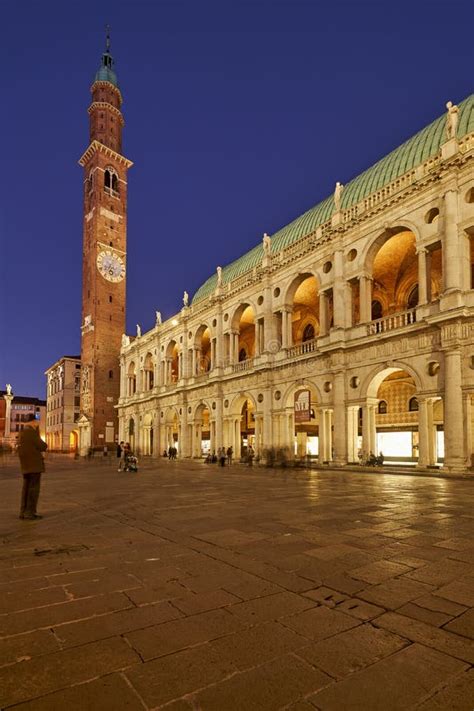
{"points": [[222, 457], [230, 454], [250, 456], [30, 448], [120, 455]]}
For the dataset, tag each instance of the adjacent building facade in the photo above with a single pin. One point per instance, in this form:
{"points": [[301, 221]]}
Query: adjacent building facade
{"points": [[63, 403], [15, 413], [349, 331]]}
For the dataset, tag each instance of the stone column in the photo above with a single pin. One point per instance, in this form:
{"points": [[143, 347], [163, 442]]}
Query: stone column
{"points": [[352, 433], [452, 277], [365, 298], [267, 420], [123, 378], [468, 417], [422, 276], [8, 413], [323, 313], [339, 291], [219, 433], [257, 433], [237, 438], [369, 432], [340, 426], [426, 440], [454, 458], [219, 354], [325, 434]]}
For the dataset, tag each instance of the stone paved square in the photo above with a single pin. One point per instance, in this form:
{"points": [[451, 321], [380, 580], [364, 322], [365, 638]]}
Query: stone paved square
{"points": [[187, 586]]}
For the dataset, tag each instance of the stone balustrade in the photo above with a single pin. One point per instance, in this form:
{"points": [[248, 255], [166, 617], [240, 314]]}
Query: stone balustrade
{"points": [[392, 322]]}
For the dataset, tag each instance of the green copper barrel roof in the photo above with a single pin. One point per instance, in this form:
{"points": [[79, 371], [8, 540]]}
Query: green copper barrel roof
{"points": [[423, 145]]}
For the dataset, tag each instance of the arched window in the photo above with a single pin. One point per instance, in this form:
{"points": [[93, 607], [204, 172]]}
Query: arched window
{"points": [[413, 404], [110, 181], [412, 300], [242, 355], [308, 333], [382, 407], [377, 310]]}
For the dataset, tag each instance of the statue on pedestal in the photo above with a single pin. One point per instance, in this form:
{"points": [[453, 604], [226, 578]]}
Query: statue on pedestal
{"points": [[338, 196], [219, 276], [139, 330], [158, 320], [267, 245], [9, 389], [451, 120], [186, 299]]}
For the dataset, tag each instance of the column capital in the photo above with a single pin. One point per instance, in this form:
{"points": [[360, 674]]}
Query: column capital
{"points": [[421, 250]]}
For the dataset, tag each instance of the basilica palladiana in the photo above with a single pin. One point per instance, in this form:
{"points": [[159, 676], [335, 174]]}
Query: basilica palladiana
{"points": [[349, 331]]}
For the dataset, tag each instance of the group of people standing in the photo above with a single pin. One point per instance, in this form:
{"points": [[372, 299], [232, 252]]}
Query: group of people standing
{"points": [[224, 456], [127, 460]]}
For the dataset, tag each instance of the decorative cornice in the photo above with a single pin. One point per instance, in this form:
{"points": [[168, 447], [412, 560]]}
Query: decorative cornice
{"points": [[108, 84], [105, 105], [98, 146]]}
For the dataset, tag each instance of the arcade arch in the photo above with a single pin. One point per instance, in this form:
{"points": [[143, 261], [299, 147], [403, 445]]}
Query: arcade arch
{"points": [[398, 276], [241, 341], [148, 373], [201, 355], [131, 379], [171, 364], [203, 432], [148, 436], [398, 421], [171, 430], [303, 426]]}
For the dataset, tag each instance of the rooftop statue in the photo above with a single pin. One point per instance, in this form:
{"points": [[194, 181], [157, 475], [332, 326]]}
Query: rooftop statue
{"points": [[139, 330], [451, 120], [267, 245], [185, 298], [158, 320], [219, 276], [338, 196], [125, 340]]}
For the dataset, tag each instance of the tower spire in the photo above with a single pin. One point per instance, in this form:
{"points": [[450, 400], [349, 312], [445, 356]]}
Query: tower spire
{"points": [[106, 70]]}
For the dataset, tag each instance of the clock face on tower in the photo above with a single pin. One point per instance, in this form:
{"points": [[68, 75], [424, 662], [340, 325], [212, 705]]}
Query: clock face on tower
{"points": [[111, 265]]}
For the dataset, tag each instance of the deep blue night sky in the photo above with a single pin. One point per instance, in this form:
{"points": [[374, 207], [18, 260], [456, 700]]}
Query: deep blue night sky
{"points": [[240, 115]]}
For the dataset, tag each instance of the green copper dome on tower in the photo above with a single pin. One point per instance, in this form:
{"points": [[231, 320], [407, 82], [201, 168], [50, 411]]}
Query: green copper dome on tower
{"points": [[106, 69]]}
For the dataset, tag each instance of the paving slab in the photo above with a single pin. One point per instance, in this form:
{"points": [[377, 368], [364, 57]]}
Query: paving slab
{"points": [[352, 650], [187, 587], [396, 683], [271, 686], [109, 693]]}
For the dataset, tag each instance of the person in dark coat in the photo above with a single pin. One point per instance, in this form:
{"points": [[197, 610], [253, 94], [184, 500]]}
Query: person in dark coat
{"points": [[30, 448]]}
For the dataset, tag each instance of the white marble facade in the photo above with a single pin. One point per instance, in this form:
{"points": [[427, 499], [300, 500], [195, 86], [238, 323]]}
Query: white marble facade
{"points": [[373, 312]]}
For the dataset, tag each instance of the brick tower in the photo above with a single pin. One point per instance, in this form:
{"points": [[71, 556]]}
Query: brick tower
{"points": [[104, 260]]}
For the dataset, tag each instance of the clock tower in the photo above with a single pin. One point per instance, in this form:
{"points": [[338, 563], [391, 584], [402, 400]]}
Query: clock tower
{"points": [[104, 260]]}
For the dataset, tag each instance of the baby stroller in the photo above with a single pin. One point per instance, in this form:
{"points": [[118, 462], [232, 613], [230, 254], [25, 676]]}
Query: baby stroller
{"points": [[131, 463]]}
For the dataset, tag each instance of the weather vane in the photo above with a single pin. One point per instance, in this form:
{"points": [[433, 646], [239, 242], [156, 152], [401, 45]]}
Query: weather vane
{"points": [[107, 37]]}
